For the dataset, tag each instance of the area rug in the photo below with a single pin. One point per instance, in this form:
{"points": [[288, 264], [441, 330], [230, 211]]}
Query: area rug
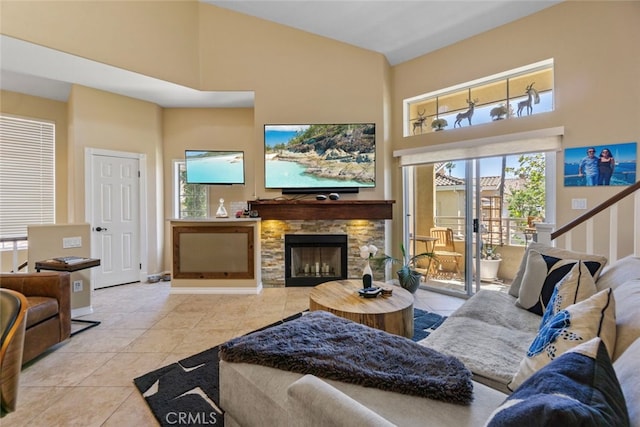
{"points": [[187, 392]]}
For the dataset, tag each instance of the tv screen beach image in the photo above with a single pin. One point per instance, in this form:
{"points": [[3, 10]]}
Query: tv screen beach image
{"points": [[320, 155], [214, 167]]}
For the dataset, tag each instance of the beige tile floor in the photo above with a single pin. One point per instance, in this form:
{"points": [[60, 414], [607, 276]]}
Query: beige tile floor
{"points": [[87, 381]]}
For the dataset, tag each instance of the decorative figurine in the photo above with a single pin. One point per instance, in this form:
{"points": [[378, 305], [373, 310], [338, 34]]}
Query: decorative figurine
{"points": [[467, 114], [221, 212], [532, 98]]}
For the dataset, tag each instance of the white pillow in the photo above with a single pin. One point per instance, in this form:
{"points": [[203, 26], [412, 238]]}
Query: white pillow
{"points": [[514, 290], [578, 323], [576, 286], [543, 271]]}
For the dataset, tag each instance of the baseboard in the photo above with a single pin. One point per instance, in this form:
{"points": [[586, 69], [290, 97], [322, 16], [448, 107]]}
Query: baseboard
{"points": [[212, 291], [82, 311]]}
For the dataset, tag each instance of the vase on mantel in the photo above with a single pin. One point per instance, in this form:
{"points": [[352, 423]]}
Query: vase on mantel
{"points": [[367, 276]]}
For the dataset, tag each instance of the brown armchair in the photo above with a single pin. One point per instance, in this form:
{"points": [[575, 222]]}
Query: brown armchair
{"points": [[49, 315], [13, 318]]}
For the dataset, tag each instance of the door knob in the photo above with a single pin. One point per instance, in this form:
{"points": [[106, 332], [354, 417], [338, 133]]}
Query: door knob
{"points": [[100, 229]]}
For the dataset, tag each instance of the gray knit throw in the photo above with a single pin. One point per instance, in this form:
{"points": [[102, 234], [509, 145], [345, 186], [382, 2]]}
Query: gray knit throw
{"points": [[327, 346]]}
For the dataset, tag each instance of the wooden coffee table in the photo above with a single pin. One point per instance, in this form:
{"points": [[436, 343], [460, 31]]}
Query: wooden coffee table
{"points": [[393, 314]]}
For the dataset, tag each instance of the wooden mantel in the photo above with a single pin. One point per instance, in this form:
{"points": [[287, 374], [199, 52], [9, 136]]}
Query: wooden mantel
{"points": [[323, 209]]}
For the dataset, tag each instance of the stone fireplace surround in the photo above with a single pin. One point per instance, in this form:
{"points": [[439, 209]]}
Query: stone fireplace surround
{"points": [[359, 233]]}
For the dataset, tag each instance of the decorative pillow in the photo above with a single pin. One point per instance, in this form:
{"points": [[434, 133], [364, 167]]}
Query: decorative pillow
{"points": [[593, 317], [514, 290], [541, 275], [578, 388], [576, 286]]}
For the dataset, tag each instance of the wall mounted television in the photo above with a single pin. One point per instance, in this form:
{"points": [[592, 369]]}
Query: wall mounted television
{"points": [[320, 158], [214, 167]]}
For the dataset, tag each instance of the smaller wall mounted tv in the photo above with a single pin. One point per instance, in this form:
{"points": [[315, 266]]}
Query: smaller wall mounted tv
{"points": [[214, 167], [317, 158]]}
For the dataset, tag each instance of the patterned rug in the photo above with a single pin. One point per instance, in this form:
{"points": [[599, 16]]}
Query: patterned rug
{"points": [[187, 392]]}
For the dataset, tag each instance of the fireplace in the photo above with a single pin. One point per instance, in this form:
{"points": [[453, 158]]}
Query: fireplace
{"points": [[311, 259]]}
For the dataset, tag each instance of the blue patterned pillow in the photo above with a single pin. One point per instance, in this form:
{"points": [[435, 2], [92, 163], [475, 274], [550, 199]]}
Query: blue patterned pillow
{"points": [[576, 286], [578, 323], [578, 388]]}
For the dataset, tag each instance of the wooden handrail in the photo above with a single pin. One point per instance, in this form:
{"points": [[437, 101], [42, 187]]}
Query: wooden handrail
{"points": [[593, 212]]}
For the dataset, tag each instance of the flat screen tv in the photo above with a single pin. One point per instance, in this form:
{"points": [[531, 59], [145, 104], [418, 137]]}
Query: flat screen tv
{"points": [[316, 158], [214, 167]]}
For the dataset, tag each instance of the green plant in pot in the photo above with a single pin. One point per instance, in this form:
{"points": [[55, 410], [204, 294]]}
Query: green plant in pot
{"points": [[408, 277], [439, 124], [499, 112]]}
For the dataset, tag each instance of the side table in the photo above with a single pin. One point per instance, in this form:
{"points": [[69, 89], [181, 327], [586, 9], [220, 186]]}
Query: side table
{"points": [[75, 265]]}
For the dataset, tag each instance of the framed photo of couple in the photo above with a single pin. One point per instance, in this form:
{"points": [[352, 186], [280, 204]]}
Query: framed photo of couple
{"points": [[600, 165]]}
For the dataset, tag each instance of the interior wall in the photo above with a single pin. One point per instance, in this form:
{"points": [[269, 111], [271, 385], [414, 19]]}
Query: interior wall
{"points": [[297, 77], [155, 38], [46, 242], [108, 121], [208, 129], [595, 50]]}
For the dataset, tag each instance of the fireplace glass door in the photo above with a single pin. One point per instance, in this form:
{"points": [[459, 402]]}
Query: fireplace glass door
{"points": [[312, 259]]}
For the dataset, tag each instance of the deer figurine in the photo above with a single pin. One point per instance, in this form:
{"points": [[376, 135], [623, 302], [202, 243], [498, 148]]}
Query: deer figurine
{"points": [[532, 98], [467, 114], [419, 121]]}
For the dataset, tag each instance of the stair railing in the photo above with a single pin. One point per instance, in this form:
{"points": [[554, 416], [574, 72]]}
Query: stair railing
{"points": [[547, 235]]}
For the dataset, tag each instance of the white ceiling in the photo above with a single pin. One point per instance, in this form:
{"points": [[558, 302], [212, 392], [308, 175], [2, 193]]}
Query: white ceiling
{"points": [[399, 29]]}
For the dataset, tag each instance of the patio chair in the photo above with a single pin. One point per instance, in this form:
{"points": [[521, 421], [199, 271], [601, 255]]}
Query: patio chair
{"points": [[447, 259]]}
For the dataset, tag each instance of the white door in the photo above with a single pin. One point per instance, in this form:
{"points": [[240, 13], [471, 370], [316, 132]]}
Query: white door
{"points": [[115, 223]]}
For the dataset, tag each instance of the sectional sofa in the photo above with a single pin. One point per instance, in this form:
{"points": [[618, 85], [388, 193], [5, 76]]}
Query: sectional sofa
{"points": [[505, 344]]}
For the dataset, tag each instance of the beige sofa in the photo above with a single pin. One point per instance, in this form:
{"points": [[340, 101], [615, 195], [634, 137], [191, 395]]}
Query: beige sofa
{"points": [[254, 395]]}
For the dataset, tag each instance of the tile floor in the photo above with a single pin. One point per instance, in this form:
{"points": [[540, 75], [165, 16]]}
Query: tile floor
{"points": [[87, 381]]}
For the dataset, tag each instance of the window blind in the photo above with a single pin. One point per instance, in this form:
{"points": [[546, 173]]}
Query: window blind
{"points": [[27, 174]]}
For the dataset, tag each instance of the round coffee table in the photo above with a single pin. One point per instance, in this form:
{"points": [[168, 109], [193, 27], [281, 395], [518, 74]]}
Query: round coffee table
{"points": [[393, 314]]}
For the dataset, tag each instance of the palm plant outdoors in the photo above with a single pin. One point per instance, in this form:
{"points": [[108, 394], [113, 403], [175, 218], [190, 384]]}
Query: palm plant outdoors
{"points": [[408, 276]]}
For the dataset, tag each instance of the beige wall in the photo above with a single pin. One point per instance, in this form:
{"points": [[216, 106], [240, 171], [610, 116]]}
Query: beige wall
{"points": [[299, 77], [208, 128], [102, 120], [155, 38], [45, 242], [597, 61]]}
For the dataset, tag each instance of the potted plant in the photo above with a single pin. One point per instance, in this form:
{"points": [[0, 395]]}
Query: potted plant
{"points": [[439, 124], [408, 277], [489, 262], [499, 112]]}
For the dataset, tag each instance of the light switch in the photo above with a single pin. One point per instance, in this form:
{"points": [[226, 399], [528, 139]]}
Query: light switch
{"points": [[579, 204], [71, 242]]}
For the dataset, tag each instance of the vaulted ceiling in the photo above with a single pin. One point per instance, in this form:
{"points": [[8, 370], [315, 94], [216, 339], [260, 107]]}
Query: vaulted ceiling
{"points": [[399, 29]]}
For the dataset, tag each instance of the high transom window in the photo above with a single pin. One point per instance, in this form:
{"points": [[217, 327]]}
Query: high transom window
{"points": [[512, 94]]}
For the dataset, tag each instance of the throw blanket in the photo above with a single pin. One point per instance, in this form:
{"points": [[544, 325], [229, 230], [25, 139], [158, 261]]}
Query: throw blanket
{"points": [[324, 345]]}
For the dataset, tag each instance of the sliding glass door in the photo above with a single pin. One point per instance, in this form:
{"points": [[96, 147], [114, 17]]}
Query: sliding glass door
{"points": [[476, 215]]}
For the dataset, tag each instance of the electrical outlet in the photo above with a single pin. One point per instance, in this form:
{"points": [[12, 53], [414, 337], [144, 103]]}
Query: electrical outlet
{"points": [[71, 242], [77, 286]]}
